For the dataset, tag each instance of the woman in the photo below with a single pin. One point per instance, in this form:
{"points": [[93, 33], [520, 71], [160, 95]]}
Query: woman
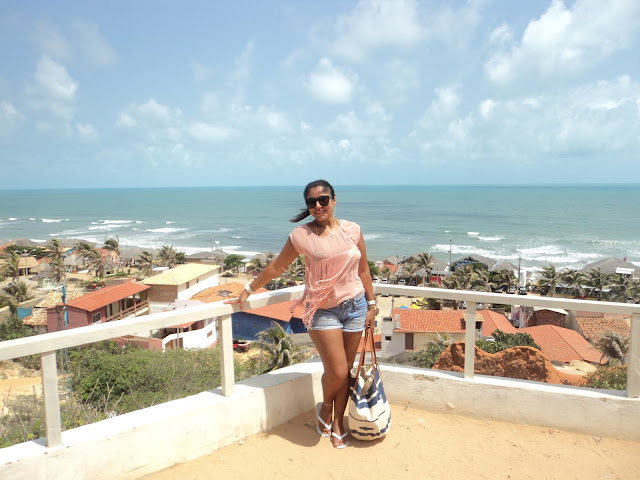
{"points": [[338, 297]]}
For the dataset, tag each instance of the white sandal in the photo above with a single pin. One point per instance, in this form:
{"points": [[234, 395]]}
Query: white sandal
{"points": [[328, 426], [340, 438]]}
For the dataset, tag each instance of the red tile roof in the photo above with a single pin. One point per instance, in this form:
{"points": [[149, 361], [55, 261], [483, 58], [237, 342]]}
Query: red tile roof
{"points": [[496, 321], [451, 321], [563, 344], [594, 328], [105, 296]]}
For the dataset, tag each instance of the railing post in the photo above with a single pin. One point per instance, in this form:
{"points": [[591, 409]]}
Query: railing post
{"points": [[470, 340], [226, 355], [51, 399], [633, 368]]}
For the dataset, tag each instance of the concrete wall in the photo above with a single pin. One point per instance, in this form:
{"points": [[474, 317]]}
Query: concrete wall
{"points": [[135, 444], [163, 293]]}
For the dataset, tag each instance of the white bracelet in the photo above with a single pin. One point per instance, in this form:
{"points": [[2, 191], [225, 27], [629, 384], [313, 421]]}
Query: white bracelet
{"points": [[372, 302], [248, 288]]}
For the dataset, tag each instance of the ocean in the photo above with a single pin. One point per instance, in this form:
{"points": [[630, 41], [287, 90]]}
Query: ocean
{"points": [[567, 226]]}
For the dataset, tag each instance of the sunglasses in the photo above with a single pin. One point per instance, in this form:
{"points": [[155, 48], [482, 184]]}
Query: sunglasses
{"points": [[323, 200]]}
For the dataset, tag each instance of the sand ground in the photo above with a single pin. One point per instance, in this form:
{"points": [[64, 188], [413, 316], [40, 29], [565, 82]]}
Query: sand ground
{"points": [[420, 445]]}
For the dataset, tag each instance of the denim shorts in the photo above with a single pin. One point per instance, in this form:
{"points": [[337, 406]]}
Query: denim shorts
{"points": [[350, 316]]}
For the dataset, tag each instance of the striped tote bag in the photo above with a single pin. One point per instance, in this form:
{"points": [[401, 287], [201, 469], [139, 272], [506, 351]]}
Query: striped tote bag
{"points": [[369, 411]]}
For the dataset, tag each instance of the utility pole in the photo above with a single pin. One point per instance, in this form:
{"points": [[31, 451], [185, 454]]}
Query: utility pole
{"points": [[519, 282], [449, 254], [212, 262]]}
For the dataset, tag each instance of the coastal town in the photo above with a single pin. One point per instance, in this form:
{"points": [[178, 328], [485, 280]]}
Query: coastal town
{"points": [[65, 284]]}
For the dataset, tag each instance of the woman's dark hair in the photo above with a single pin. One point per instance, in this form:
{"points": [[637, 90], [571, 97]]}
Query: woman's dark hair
{"points": [[304, 213]]}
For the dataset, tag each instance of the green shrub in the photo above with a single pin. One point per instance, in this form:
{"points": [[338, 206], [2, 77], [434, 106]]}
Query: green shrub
{"points": [[506, 340], [612, 378]]}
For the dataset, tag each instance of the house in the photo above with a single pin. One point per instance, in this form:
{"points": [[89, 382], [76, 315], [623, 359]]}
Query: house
{"points": [[564, 345], [26, 264], [104, 305], [535, 316], [36, 318], [247, 323], [410, 329], [470, 259], [613, 265], [180, 283], [438, 268], [594, 326]]}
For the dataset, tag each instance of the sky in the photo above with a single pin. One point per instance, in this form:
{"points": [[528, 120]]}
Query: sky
{"points": [[225, 93]]}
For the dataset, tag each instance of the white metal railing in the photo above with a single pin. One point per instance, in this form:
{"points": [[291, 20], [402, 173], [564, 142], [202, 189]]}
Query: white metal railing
{"points": [[46, 345]]}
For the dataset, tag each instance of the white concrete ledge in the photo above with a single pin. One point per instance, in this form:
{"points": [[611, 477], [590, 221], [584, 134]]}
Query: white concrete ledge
{"points": [[139, 443], [605, 413]]}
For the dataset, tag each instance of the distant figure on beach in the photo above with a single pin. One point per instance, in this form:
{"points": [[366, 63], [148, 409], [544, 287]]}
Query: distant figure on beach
{"points": [[338, 297]]}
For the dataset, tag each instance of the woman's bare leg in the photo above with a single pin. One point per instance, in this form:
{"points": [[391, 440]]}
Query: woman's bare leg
{"points": [[337, 351]]}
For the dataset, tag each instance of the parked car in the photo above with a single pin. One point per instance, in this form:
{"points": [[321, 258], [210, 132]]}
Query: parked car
{"points": [[522, 291], [240, 345], [512, 289]]}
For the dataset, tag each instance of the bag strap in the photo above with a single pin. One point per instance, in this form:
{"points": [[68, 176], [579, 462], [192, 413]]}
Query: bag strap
{"points": [[368, 345]]}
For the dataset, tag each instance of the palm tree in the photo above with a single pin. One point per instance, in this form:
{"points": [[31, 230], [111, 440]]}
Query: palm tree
{"points": [[296, 270], [16, 293], [614, 346], [550, 278], [465, 278], [55, 251], [385, 273], [278, 346], [504, 279], [92, 257], [484, 281], [113, 245], [58, 270], [425, 261], [167, 256], [409, 269], [573, 279], [145, 263], [11, 265], [623, 287], [598, 280]]}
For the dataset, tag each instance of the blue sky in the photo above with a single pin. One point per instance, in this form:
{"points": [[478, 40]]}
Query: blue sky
{"points": [[167, 93]]}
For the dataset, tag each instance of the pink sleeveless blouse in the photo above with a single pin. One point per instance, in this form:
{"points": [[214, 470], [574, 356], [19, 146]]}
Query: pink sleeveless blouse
{"points": [[331, 266]]}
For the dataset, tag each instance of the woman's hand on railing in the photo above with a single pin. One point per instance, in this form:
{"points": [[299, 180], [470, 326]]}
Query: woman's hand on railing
{"points": [[239, 300]]}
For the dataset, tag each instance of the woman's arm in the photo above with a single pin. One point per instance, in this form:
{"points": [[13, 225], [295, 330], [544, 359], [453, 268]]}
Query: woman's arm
{"points": [[367, 282], [286, 256]]}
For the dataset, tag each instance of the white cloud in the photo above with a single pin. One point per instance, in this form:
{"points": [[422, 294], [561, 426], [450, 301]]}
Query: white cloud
{"points": [[486, 106], [209, 132], [53, 89], [328, 84], [374, 24], [565, 40], [94, 47], [598, 120], [51, 42], [241, 74], [150, 113], [10, 119], [86, 132], [201, 72], [501, 35]]}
